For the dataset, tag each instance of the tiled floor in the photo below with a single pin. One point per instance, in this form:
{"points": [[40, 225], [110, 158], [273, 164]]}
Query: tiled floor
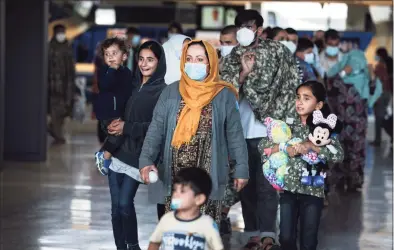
{"points": [[64, 204]]}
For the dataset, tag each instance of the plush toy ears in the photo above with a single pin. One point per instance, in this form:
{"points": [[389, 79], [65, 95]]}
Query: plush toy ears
{"points": [[318, 118], [267, 121]]}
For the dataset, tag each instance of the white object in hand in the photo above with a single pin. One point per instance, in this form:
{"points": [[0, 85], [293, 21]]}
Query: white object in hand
{"points": [[153, 177]]}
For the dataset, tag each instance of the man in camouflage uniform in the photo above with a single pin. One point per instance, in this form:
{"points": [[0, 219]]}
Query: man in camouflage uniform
{"points": [[266, 74], [61, 85]]}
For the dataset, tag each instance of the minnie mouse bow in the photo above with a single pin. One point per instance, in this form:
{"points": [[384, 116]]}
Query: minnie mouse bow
{"points": [[331, 120]]}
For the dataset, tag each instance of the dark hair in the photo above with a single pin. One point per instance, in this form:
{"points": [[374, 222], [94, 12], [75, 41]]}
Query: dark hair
{"points": [[247, 16], [319, 92], [304, 44], [291, 31], [113, 41], [388, 60], [331, 34], [58, 27], [273, 32], [267, 30], [228, 30], [201, 44], [319, 44], [198, 180], [152, 46], [133, 30], [177, 26]]}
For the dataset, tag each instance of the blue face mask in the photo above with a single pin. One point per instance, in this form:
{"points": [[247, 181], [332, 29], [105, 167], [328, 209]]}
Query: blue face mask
{"points": [[175, 204], [135, 41], [332, 51], [196, 71], [377, 58]]}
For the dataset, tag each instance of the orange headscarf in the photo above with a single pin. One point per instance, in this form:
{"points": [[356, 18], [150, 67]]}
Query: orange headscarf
{"points": [[197, 95]]}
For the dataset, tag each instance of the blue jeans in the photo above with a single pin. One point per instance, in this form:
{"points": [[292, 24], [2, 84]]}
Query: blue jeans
{"points": [[308, 209], [124, 219]]}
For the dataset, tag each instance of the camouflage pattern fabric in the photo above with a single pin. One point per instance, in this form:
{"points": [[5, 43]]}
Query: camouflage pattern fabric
{"points": [[61, 85], [231, 195], [270, 87]]}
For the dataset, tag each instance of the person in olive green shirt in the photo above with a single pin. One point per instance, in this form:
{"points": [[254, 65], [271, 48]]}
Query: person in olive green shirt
{"points": [[298, 200]]}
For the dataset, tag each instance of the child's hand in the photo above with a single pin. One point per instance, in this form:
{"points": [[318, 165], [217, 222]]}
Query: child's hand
{"points": [[304, 148], [291, 151]]}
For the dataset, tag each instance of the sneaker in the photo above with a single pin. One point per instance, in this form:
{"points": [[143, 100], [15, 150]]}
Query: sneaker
{"points": [[101, 163]]}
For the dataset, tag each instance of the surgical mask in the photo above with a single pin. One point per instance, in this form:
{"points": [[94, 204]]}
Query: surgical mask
{"points": [[290, 45], [309, 58], [332, 50], [226, 50], [377, 58], [135, 41], [245, 36], [60, 37], [175, 204], [196, 71]]}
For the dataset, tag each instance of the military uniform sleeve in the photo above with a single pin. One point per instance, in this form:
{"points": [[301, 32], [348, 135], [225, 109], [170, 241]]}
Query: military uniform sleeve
{"points": [[230, 69], [214, 240], [271, 89], [264, 148], [332, 155]]}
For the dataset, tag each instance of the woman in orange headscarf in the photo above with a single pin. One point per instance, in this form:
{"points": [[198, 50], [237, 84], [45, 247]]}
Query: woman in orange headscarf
{"points": [[196, 123]]}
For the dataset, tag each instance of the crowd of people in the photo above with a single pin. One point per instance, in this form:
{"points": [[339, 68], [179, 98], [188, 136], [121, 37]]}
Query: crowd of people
{"points": [[205, 120]]}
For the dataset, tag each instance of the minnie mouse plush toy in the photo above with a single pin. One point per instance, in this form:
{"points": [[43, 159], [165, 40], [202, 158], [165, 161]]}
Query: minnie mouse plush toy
{"points": [[321, 129]]}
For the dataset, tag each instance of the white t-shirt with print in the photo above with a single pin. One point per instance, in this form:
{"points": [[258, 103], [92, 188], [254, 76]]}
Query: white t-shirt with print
{"points": [[175, 234]]}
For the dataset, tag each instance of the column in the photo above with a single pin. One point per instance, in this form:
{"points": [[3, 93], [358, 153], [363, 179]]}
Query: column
{"points": [[2, 78], [26, 64]]}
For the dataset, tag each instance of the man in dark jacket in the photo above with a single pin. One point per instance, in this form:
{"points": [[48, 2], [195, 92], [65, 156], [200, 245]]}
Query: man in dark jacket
{"points": [[61, 77]]}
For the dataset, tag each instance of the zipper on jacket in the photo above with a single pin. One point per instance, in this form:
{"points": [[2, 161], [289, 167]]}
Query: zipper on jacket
{"points": [[114, 103]]}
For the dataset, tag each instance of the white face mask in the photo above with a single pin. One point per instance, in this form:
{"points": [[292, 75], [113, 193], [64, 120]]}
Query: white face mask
{"points": [[60, 37], [245, 36], [226, 50], [290, 45], [309, 58]]}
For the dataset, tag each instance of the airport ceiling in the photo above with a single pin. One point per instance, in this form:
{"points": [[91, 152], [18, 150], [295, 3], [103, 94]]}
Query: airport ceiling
{"points": [[362, 2]]}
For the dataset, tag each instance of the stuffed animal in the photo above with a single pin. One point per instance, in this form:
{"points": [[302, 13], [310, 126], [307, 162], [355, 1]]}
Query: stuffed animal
{"points": [[275, 168], [321, 129]]}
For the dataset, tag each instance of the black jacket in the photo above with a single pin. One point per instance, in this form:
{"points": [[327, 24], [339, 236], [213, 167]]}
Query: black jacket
{"points": [[139, 112], [115, 88]]}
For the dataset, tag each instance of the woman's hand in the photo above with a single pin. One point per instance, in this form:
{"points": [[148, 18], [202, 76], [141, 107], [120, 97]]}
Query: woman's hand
{"points": [[239, 184], [116, 127], [144, 172]]}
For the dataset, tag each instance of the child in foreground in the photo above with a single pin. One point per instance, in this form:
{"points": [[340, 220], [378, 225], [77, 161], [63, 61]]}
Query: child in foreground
{"points": [[115, 87], [299, 202], [186, 228]]}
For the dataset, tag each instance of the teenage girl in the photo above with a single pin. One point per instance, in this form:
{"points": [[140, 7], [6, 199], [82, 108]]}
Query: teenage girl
{"points": [[297, 201]]}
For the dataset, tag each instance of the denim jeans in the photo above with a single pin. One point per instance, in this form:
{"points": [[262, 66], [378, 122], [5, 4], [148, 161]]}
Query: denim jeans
{"points": [[259, 200], [308, 209], [124, 219]]}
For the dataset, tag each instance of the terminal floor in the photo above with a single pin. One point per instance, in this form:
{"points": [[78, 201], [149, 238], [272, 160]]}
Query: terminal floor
{"points": [[64, 204]]}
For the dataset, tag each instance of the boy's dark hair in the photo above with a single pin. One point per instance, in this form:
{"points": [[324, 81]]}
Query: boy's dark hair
{"points": [[228, 30], [331, 34], [304, 44], [273, 32], [113, 41], [247, 16], [177, 26], [58, 27], [198, 180], [133, 30], [291, 31], [152, 46]]}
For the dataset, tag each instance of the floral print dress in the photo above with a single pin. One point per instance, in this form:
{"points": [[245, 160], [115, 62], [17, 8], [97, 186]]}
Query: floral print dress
{"points": [[197, 153]]}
